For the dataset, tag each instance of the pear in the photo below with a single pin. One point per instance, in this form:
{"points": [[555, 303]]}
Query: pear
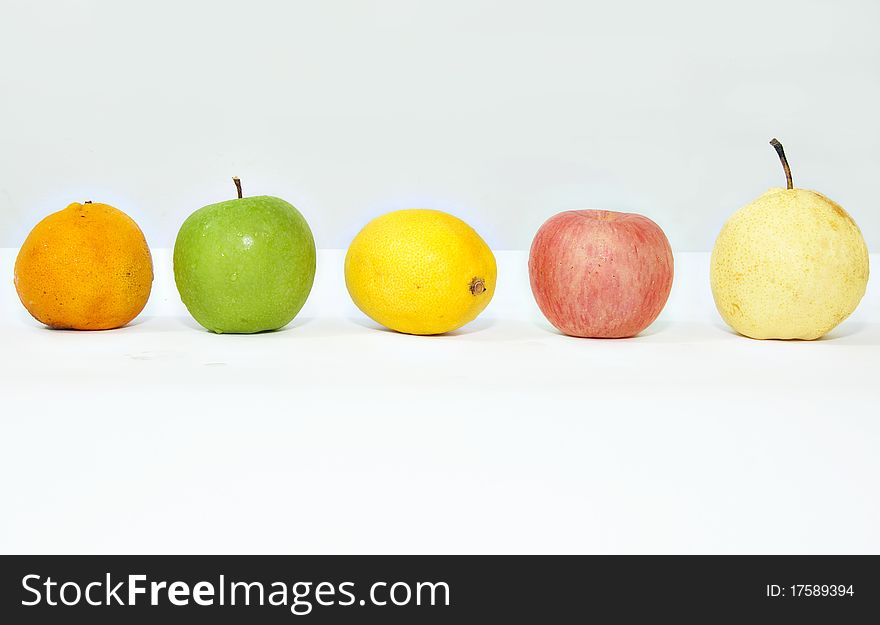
{"points": [[791, 265]]}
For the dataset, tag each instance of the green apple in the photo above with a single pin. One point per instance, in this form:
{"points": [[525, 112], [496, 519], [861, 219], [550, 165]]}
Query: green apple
{"points": [[244, 265]]}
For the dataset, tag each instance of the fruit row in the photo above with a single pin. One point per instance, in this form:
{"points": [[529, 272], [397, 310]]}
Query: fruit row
{"points": [[791, 264]]}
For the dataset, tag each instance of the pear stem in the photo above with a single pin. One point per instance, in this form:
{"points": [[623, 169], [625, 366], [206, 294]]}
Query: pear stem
{"points": [[778, 147], [237, 182]]}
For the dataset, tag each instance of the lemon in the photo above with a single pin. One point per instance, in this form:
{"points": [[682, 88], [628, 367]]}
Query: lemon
{"points": [[420, 271]]}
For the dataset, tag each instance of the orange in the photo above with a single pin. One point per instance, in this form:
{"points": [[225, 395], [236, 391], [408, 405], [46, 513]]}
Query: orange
{"points": [[86, 267]]}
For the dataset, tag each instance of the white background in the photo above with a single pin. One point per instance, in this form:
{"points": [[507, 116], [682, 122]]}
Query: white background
{"points": [[334, 436], [501, 112]]}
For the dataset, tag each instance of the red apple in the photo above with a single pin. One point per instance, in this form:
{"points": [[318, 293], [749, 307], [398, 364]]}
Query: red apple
{"points": [[599, 273]]}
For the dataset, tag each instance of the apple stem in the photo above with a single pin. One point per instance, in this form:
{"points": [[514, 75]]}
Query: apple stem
{"points": [[778, 147], [237, 182]]}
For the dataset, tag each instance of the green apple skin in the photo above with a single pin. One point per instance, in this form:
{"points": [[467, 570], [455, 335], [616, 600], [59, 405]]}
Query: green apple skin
{"points": [[245, 265]]}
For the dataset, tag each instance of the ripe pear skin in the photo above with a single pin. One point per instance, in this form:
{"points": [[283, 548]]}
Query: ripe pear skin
{"points": [[790, 265]]}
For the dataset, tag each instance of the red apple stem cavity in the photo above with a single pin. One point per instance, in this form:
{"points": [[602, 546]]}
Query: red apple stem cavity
{"points": [[237, 182], [778, 147]]}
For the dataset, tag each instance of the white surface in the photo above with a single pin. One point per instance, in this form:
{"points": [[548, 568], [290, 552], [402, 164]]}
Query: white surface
{"points": [[333, 436], [502, 112]]}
